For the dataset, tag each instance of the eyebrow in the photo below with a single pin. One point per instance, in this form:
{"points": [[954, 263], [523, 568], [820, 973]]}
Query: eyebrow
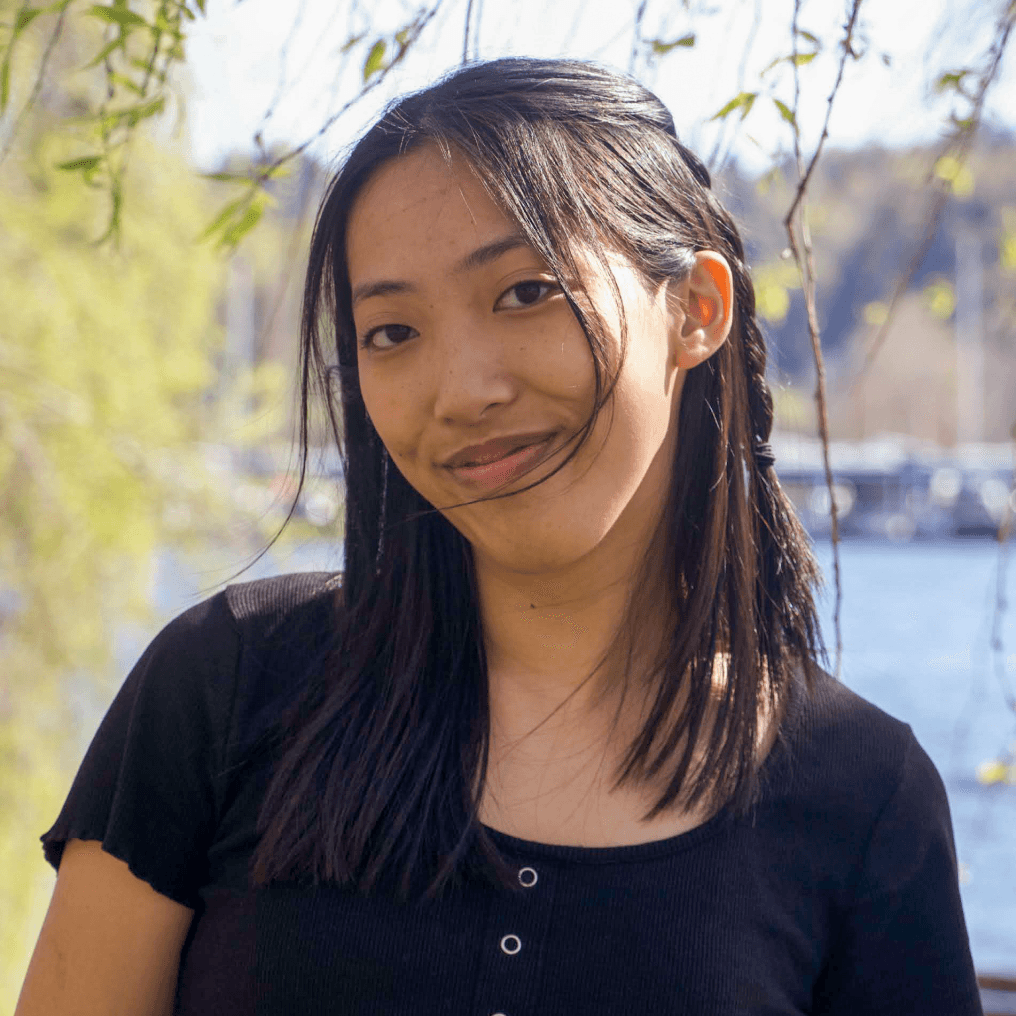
{"points": [[478, 258]]}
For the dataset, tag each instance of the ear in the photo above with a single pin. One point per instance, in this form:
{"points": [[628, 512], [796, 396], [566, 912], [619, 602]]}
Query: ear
{"points": [[701, 310]]}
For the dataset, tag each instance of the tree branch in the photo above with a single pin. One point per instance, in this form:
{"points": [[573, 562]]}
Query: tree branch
{"points": [[415, 29], [37, 87], [636, 42], [465, 32], [806, 268]]}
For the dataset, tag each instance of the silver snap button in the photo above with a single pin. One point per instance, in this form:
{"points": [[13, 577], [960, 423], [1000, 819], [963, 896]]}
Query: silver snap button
{"points": [[528, 877], [511, 944]]}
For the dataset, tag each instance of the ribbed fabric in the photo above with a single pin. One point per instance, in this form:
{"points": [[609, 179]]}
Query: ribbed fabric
{"points": [[838, 895]]}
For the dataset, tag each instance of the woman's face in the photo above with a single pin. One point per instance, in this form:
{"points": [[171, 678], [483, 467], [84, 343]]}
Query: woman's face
{"points": [[478, 377]]}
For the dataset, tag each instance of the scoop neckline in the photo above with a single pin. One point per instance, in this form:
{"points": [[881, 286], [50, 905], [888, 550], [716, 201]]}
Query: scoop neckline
{"points": [[613, 854]]}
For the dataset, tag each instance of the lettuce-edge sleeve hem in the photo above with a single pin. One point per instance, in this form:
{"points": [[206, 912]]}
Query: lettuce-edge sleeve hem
{"points": [[55, 839], [147, 789]]}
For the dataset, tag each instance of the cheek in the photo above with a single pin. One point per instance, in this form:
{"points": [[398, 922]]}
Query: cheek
{"points": [[389, 401], [556, 364], [646, 398]]}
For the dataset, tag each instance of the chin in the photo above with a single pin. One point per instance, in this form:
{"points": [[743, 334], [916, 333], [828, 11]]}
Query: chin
{"points": [[539, 554]]}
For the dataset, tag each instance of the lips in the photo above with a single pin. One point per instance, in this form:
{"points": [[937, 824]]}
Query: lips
{"points": [[497, 448], [495, 463]]}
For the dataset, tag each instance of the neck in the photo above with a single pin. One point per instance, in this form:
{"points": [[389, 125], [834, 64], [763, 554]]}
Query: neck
{"points": [[549, 641]]}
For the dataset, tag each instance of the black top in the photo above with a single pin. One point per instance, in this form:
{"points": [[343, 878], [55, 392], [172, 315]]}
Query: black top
{"points": [[838, 895]]}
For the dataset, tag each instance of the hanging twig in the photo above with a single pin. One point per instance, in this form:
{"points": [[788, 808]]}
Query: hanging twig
{"points": [[957, 144], [37, 87], [280, 84], [413, 33], [477, 18], [806, 267], [724, 144], [636, 42], [240, 214], [465, 33]]}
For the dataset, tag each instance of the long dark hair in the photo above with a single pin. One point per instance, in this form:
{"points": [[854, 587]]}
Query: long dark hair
{"points": [[383, 755]]}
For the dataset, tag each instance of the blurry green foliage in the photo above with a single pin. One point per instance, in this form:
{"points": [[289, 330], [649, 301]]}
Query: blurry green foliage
{"points": [[133, 52], [773, 282], [105, 358], [116, 384], [1007, 241], [957, 174], [940, 298]]}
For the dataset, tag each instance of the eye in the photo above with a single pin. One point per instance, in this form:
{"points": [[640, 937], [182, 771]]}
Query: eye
{"points": [[387, 336], [525, 294]]}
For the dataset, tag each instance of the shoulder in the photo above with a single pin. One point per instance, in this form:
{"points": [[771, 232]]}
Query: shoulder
{"points": [[265, 604], [286, 627], [278, 614], [844, 761], [249, 615], [833, 733], [152, 785], [863, 811], [224, 660]]}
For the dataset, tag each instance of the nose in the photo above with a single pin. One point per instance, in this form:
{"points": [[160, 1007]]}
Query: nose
{"points": [[472, 373]]}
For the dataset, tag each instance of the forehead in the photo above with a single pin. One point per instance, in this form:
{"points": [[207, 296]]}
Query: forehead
{"points": [[418, 210]]}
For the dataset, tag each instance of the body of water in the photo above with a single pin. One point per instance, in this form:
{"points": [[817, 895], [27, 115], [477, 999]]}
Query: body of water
{"points": [[917, 624]]}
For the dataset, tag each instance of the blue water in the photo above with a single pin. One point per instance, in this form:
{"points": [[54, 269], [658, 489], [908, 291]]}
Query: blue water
{"points": [[916, 623]]}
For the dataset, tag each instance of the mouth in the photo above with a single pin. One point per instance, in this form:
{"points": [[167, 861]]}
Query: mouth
{"points": [[487, 467]]}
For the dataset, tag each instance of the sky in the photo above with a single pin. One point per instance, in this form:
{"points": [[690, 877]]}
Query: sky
{"points": [[279, 68]]}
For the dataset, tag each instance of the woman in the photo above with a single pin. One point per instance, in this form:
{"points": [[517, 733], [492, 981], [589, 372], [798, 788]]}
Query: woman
{"points": [[558, 743]]}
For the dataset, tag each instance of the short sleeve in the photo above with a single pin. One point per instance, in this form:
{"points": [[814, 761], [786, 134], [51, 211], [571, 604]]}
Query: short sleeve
{"points": [[902, 947], [146, 787]]}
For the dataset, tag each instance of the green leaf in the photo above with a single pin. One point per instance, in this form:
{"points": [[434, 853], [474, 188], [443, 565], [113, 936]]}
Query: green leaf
{"points": [[402, 36], [813, 39], [125, 82], [662, 48], [277, 172], [5, 81], [375, 59], [23, 20], [245, 223], [113, 229], [131, 116], [953, 80], [786, 112], [226, 177], [227, 212], [801, 59], [351, 42], [118, 16], [117, 43], [200, 4], [86, 162], [743, 101]]}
